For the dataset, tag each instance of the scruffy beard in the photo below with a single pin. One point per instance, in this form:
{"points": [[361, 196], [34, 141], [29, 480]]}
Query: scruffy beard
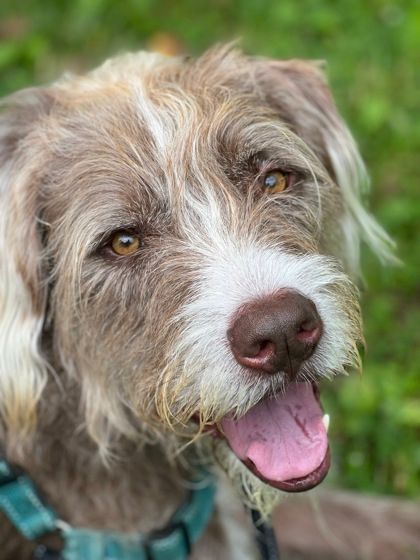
{"points": [[201, 375], [254, 493]]}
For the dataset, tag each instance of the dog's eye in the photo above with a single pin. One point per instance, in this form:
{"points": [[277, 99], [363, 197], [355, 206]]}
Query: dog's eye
{"points": [[275, 181], [125, 243]]}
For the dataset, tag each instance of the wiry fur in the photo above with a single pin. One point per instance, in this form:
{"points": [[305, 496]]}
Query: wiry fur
{"points": [[116, 355]]}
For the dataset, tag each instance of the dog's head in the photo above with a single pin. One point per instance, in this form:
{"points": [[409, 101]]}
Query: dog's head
{"points": [[178, 238]]}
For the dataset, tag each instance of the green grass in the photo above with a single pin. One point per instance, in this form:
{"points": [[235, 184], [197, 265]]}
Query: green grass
{"points": [[371, 48]]}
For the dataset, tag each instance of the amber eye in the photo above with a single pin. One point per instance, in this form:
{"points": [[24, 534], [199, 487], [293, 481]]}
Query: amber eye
{"points": [[125, 243], [275, 182]]}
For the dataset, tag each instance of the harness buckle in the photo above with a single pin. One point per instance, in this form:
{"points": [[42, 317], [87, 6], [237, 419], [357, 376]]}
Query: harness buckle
{"points": [[43, 552], [160, 534]]}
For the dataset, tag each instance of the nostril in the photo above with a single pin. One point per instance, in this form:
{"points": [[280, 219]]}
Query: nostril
{"points": [[309, 333], [266, 349], [261, 357], [261, 345]]}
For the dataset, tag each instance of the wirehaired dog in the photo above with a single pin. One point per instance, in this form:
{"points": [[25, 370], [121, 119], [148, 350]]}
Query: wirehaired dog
{"points": [[179, 241]]}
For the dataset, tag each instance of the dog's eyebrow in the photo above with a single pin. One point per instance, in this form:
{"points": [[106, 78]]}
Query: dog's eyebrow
{"points": [[259, 160], [264, 159], [136, 220]]}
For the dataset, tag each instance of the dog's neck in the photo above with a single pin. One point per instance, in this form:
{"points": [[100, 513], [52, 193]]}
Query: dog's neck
{"points": [[138, 490]]}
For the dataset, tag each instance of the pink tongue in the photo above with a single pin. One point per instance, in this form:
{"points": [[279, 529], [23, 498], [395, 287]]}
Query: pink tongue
{"points": [[283, 437]]}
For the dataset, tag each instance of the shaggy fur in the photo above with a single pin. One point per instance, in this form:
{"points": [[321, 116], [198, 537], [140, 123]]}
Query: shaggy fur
{"points": [[104, 360]]}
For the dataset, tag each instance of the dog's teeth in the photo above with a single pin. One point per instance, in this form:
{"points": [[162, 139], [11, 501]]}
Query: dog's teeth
{"points": [[326, 421]]}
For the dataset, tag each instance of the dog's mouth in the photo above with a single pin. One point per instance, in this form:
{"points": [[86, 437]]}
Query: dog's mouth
{"points": [[283, 439]]}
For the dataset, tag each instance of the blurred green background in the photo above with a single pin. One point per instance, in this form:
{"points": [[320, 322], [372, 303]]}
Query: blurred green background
{"points": [[373, 52]]}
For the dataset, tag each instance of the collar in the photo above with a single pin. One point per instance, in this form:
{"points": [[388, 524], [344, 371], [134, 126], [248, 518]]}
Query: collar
{"points": [[21, 503]]}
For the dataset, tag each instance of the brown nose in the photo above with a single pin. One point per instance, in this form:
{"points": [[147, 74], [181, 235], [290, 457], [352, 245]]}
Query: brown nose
{"points": [[276, 333]]}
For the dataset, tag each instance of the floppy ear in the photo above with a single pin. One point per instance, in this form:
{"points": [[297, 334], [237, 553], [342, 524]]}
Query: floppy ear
{"points": [[22, 295], [298, 90]]}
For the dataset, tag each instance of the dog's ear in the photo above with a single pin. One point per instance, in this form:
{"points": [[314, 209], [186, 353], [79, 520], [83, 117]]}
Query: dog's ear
{"points": [[298, 91], [22, 292]]}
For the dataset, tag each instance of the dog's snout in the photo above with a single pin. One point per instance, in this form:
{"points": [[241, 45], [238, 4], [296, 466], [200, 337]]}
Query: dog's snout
{"points": [[276, 333]]}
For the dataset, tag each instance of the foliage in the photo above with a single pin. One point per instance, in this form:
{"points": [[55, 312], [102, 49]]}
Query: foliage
{"points": [[370, 47]]}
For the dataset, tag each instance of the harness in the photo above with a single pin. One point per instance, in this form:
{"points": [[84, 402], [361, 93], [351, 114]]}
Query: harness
{"points": [[20, 502]]}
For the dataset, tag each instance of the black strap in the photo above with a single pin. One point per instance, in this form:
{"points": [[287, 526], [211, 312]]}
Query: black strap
{"points": [[266, 538]]}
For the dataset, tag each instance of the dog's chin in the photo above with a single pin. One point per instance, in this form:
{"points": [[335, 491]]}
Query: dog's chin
{"points": [[281, 442]]}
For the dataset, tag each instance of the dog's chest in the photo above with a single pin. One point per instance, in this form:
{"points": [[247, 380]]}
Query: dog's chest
{"points": [[230, 535], [140, 496]]}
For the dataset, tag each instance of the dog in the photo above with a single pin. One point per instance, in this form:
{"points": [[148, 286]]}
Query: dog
{"points": [[179, 255]]}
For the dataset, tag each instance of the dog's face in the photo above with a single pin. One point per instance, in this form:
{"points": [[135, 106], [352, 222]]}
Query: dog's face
{"points": [[178, 237]]}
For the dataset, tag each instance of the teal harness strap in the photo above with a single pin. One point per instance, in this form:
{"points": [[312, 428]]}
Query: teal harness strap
{"points": [[20, 502], [187, 523], [93, 545], [171, 543]]}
